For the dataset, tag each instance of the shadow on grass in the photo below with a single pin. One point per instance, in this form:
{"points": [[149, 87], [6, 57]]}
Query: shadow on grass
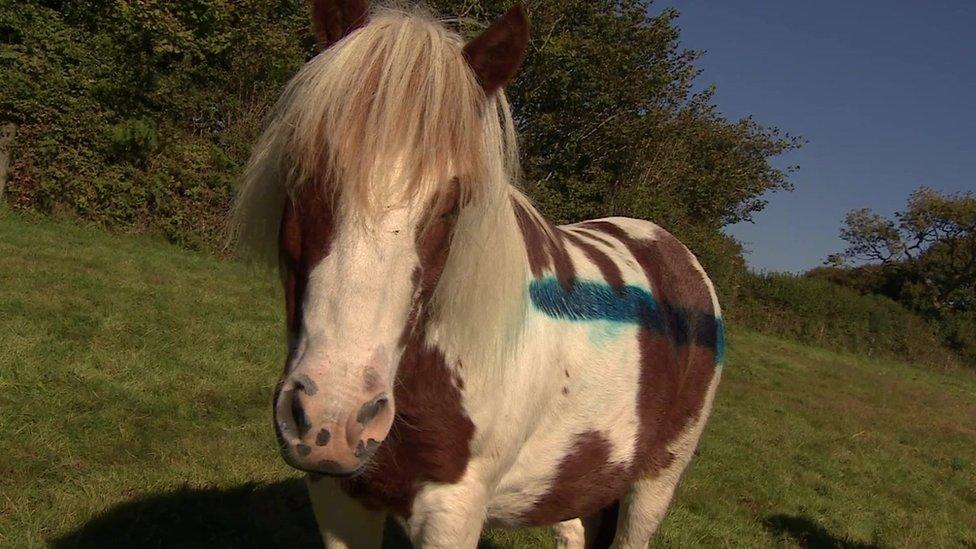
{"points": [[807, 533], [251, 515]]}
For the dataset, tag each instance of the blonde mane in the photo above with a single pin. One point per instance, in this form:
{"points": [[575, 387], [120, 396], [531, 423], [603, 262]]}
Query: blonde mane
{"points": [[397, 96]]}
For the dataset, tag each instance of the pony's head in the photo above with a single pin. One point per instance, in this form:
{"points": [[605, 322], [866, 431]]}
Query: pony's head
{"points": [[391, 148]]}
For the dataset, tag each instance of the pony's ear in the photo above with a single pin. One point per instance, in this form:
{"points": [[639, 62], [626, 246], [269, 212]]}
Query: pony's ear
{"points": [[333, 20], [496, 55]]}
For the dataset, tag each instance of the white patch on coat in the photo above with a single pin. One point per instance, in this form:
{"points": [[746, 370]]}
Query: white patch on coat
{"points": [[570, 534], [449, 515], [342, 521]]}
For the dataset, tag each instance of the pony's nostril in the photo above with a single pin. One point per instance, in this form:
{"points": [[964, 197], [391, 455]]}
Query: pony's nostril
{"points": [[366, 448], [298, 413], [304, 384], [370, 409]]}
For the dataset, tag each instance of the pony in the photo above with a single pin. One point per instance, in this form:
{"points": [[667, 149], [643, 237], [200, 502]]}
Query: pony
{"points": [[454, 360]]}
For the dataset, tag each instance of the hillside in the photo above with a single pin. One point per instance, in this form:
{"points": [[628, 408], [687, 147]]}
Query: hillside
{"points": [[135, 381]]}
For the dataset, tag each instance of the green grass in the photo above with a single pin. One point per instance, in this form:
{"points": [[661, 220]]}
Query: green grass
{"points": [[135, 381]]}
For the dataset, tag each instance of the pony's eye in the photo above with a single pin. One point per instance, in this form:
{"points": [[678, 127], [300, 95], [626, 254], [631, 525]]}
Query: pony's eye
{"points": [[453, 212]]}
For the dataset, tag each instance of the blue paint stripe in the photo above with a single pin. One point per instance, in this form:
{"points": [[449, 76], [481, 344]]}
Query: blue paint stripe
{"points": [[592, 301]]}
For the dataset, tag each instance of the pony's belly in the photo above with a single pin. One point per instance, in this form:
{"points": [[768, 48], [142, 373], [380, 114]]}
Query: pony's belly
{"points": [[578, 458]]}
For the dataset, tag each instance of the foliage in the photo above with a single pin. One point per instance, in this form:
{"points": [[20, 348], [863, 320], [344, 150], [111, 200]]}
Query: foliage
{"points": [[138, 114], [865, 279], [133, 140], [610, 126], [956, 328], [817, 311], [135, 412], [928, 250], [925, 259], [930, 217]]}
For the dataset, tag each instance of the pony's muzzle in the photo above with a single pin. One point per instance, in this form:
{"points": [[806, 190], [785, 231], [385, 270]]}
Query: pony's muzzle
{"points": [[315, 440]]}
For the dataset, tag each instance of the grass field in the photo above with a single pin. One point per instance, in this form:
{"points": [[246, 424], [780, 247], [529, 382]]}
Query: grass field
{"points": [[135, 381]]}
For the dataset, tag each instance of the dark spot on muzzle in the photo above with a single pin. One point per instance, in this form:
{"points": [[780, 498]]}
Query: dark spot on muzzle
{"points": [[370, 409], [304, 450], [366, 449], [323, 437]]}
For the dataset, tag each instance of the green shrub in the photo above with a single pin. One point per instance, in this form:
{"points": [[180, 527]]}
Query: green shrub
{"points": [[816, 311], [956, 325], [139, 115], [133, 141], [959, 332]]}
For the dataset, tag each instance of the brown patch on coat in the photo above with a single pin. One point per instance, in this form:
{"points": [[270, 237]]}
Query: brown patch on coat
{"points": [[304, 240], [413, 319], [585, 483], [545, 248], [429, 440], [433, 245], [434, 238], [590, 235], [673, 386], [610, 271], [666, 263], [535, 242]]}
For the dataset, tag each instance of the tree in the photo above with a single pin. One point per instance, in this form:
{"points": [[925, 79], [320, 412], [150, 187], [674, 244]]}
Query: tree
{"points": [[609, 124], [929, 249]]}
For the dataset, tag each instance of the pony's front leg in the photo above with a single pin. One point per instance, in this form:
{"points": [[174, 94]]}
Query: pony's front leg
{"points": [[343, 522], [448, 516]]}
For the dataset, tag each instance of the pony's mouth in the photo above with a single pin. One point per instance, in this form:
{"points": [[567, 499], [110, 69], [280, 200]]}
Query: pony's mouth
{"points": [[322, 469], [315, 476]]}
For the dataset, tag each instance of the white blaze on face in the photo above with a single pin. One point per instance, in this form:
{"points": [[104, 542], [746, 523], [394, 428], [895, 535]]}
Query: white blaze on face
{"points": [[336, 403], [358, 298]]}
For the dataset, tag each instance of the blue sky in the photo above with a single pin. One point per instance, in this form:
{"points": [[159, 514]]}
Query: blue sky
{"points": [[884, 92]]}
